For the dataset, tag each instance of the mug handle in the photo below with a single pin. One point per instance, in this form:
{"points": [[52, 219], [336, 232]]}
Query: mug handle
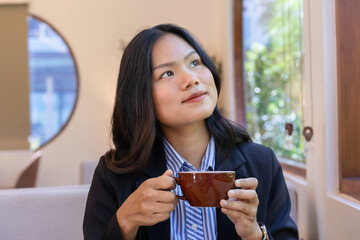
{"points": [[178, 183]]}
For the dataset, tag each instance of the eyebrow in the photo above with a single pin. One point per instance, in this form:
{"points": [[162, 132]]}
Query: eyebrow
{"points": [[173, 63]]}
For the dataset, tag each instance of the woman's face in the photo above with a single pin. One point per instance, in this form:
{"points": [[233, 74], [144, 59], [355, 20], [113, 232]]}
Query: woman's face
{"points": [[184, 88]]}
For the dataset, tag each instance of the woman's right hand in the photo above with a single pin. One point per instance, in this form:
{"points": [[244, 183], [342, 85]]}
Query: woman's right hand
{"points": [[151, 203]]}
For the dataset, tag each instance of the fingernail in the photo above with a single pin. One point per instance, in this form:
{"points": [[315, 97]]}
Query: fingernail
{"points": [[231, 193], [237, 182], [224, 202]]}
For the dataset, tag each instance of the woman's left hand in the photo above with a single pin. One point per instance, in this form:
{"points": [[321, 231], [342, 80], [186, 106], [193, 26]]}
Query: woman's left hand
{"points": [[241, 208]]}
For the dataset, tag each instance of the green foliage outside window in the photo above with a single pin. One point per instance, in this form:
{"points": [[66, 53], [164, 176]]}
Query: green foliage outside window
{"points": [[274, 81]]}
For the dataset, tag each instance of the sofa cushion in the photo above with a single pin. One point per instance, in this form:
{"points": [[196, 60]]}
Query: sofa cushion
{"points": [[43, 213]]}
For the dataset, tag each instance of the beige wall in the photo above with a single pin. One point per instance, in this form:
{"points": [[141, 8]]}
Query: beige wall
{"points": [[94, 30]]}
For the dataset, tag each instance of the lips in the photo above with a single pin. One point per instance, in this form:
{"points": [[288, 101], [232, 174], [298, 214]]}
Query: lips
{"points": [[195, 96]]}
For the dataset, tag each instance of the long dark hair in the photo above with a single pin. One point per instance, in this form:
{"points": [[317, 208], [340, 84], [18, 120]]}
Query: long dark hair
{"points": [[134, 126]]}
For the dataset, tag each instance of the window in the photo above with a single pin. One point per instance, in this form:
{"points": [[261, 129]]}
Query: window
{"points": [[53, 82], [272, 57]]}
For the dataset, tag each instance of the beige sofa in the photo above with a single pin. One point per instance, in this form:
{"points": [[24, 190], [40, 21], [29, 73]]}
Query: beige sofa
{"points": [[54, 213]]}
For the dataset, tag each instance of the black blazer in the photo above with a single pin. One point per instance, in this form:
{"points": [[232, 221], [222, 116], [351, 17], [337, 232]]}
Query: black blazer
{"points": [[109, 190]]}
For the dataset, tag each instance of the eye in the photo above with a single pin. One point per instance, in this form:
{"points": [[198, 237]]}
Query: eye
{"points": [[194, 63], [166, 74]]}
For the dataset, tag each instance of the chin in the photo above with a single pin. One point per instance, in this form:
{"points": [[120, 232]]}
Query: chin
{"points": [[203, 115]]}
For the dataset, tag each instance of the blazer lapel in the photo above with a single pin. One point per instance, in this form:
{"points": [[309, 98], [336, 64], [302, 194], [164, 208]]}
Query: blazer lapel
{"points": [[234, 162], [156, 165]]}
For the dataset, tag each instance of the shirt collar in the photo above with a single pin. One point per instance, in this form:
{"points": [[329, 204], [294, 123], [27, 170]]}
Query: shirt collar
{"points": [[176, 163]]}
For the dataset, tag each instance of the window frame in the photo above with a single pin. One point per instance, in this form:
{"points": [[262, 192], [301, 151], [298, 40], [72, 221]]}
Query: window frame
{"points": [[77, 80]]}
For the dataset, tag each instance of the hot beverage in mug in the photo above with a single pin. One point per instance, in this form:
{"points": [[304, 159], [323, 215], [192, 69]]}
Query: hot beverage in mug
{"points": [[205, 189]]}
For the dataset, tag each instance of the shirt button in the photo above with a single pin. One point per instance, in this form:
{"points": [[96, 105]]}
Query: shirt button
{"points": [[194, 227]]}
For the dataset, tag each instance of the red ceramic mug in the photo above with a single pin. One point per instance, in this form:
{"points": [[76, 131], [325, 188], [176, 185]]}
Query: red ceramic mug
{"points": [[205, 188]]}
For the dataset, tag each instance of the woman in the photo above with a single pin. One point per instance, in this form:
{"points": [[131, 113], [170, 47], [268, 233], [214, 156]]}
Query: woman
{"points": [[166, 120]]}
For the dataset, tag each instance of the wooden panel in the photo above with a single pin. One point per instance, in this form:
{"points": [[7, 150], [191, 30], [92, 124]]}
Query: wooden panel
{"points": [[348, 57], [351, 187], [238, 65], [14, 78], [293, 169], [348, 62]]}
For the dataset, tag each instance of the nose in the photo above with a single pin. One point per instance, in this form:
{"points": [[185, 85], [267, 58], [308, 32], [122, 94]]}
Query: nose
{"points": [[190, 81], [193, 82]]}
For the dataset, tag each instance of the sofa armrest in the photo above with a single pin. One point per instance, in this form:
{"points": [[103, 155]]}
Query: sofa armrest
{"points": [[294, 200]]}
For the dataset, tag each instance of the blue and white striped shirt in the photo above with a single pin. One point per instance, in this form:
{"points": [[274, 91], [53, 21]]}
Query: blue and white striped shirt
{"points": [[187, 222]]}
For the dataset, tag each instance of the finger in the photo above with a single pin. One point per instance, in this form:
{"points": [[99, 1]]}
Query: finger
{"points": [[148, 208], [163, 182], [240, 207], [236, 215], [163, 208], [241, 194], [247, 183], [165, 197], [160, 217], [168, 173], [154, 218]]}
